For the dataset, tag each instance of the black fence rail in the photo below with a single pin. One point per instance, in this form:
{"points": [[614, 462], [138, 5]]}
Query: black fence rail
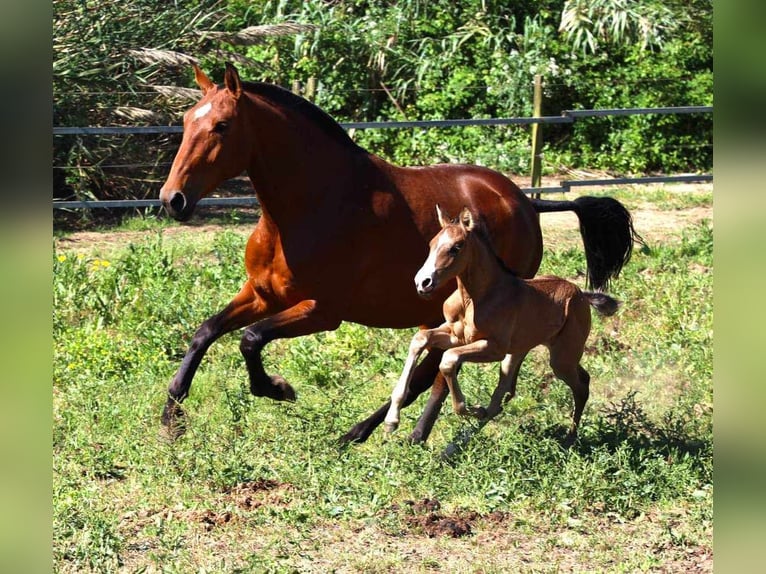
{"points": [[566, 117]]}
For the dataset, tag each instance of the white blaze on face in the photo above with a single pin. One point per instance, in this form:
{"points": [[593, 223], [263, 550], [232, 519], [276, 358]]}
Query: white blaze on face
{"points": [[429, 267], [202, 111]]}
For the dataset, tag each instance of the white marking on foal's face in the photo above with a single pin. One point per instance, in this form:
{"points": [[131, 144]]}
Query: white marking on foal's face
{"points": [[202, 111], [428, 270]]}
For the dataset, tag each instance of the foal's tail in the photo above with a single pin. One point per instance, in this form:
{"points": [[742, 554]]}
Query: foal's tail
{"points": [[602, 303], [607, 233]]}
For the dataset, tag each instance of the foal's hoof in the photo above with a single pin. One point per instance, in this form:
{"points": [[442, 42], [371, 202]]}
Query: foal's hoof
{"points": [[479, 412], [276, 388], [390, 427]]}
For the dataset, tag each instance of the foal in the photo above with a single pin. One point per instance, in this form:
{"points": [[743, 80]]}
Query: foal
{"points": [[496, 316]]}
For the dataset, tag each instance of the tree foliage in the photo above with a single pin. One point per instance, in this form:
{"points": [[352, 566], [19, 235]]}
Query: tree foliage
{"points": [[362, 60]]}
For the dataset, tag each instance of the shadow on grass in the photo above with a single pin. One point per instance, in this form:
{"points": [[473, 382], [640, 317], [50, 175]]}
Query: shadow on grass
{"points": [[621, 424], [626, 423]]}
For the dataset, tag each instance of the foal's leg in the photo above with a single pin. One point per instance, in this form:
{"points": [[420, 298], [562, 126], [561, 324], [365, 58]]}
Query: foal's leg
{"points": [[305, 318], [481, 351], [506, 385], [578, 381], [439, 391], [566, 350], [426, 374], [243, 310], [441, 337]]}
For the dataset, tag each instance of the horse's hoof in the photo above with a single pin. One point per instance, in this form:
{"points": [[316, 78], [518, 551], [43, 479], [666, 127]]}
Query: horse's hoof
{"points": [[286, 391], [390, 427], [569, 440], [479, 412], [277, 388], [173, 422], [171, 433], [173, 430]]}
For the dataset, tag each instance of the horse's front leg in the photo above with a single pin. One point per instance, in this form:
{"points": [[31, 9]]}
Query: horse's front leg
{"points": [[481, 351], [305, 318], [441, 338], [243, 310]]}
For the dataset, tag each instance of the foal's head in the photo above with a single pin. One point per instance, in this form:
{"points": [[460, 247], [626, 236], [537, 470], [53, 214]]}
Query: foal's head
{"points": [[447, 256], [214, 145]]}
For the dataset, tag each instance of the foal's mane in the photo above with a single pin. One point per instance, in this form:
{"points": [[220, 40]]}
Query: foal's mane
{"points": [[283, 98]]}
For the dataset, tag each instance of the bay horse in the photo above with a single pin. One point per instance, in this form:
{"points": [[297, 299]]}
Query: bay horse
{"points": [[342, 231], [494, 315]]}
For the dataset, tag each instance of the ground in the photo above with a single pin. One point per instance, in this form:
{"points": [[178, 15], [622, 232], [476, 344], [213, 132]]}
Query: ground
{"points": [[421, 535]]}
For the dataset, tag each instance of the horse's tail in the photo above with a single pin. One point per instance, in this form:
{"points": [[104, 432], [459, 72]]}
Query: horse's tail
{"points": [[602, 303], [607, 232]]}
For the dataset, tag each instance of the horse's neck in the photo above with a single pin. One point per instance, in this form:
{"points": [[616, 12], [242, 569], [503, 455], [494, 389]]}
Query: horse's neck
{"points": [[296, 167], [483, 273]]}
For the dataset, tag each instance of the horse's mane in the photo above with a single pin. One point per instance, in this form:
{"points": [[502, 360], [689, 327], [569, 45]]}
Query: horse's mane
{"points": [[286, 99]]}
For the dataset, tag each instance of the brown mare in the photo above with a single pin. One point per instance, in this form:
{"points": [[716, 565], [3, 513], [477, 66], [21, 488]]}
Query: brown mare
{"points": [[342, 232], [494, 315]]}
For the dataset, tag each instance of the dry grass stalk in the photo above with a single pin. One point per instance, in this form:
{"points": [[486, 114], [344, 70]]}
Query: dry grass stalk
{"points": [[176, 92], [256, 34], [166, 57], [135, 114]]}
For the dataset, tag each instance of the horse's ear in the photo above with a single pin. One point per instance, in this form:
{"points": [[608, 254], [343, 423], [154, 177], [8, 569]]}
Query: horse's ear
{"points": [[202, 80], [443, 221], [466, 219], [231, 80]]}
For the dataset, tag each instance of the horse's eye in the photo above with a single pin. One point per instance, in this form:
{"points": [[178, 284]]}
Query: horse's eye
{"points": [[455, 249], [221, 127]]}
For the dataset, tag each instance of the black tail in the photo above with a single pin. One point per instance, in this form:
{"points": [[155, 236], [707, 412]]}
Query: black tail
{"points": [[603, 303], [607, 233]]}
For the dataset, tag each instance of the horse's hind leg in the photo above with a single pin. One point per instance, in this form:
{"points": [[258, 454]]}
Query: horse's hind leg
{"points": [[423, 377], [305, 318], [243, 310], [578, 381]]}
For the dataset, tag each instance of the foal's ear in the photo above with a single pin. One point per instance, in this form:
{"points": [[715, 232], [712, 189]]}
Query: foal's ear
{"points": [[231, 80], [443, 221], [466, 219], [202, 80]]}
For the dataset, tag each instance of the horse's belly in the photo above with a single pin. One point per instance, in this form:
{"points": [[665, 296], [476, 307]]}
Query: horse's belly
{"points": [[392, 309]]}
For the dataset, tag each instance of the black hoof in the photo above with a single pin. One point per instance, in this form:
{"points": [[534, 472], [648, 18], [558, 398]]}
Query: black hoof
{"points": [[358, 434], [276, 388], [173, 422]]}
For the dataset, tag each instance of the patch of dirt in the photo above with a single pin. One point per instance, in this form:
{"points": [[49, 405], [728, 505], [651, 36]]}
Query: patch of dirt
{"points": [[210, 519], [424, 516], [262, 492]]}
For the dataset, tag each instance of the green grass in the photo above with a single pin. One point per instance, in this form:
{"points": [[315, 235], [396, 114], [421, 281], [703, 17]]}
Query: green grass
{"points": [[262, 486]]}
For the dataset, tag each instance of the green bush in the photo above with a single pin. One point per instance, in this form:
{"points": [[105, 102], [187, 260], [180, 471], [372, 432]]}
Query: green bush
{"points": [[368, 61]]}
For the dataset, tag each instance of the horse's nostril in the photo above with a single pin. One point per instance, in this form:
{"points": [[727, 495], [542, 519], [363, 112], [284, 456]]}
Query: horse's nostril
{"points": [[178, 202], [426, 283]]}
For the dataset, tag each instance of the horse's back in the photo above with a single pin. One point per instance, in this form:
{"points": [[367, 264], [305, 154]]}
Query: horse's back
{"points": [[509, 216]]}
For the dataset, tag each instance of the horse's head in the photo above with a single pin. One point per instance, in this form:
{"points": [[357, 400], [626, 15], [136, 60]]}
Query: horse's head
{"points": [[447, 253], [214, 148]]}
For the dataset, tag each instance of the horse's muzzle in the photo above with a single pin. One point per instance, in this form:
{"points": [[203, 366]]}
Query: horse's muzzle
{"points": [[425, 287], [177, 206]]}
